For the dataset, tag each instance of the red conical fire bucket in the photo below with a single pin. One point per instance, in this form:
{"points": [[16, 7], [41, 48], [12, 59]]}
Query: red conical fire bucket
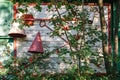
{"points": [[36, 46]]}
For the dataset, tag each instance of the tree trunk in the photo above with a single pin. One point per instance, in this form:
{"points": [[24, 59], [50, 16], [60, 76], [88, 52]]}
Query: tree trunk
{"points": [[104, 39], [115, 56], [116, 26]]}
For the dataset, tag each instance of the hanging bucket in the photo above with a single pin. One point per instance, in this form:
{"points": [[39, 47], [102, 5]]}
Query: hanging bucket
{"points": [[28, 19], [36, 46], [15, 31]]}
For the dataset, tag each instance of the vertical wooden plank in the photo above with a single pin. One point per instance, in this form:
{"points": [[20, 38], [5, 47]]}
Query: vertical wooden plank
{"points": [[109, 32], [15, 47], [15, 39]]}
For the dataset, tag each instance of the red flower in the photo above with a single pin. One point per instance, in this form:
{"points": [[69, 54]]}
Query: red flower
{"points": [[30, 59]]}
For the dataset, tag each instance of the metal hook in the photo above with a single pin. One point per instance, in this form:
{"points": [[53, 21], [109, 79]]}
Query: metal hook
{"points": [[42, 23]]}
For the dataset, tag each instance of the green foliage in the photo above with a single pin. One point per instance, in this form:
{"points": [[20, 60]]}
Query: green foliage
{"points": [[81, 40]]}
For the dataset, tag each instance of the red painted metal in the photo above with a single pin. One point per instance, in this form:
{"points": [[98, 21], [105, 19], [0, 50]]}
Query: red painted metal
{"points": [[48, 19], [28, 22], [15, 10], [36, 46], [15, 47], [15, 40], [30, 59], [17, 35], [109, 32]]}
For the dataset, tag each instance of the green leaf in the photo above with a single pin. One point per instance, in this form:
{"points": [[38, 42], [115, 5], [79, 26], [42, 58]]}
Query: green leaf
{"points": [[38, 8], [59, 4]]}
